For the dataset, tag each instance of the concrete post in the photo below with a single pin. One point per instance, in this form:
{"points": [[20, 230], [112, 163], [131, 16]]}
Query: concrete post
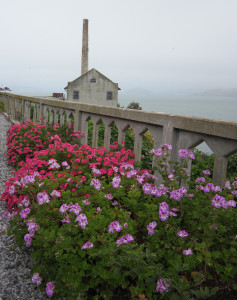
{"points": [[137, 146], [95, 135], [107, 135], [219, 170], [170, 136], [121, 134], [76, 120]]}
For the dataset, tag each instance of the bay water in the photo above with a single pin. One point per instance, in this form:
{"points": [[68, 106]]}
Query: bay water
{"points": [[217, 107], [208, 107]]}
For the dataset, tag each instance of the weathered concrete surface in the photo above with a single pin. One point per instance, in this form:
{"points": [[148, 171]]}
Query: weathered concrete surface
{"points": [[179, 131]]}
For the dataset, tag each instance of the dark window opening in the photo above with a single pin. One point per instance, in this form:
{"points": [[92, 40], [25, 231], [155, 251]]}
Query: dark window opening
{"points": [[93, 80], [109, 95], [75, 95]]}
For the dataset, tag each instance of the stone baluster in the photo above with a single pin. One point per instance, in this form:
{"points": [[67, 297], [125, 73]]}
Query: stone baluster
{"points": [[107, 134], [121, 130], [96, 124]]}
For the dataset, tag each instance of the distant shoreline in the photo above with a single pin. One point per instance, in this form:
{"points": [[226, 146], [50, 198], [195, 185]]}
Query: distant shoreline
{"points": [[219, 93]]}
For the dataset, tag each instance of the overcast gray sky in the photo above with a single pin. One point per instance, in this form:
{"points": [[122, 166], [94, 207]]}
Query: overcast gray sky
{"points": [[153, 44]]}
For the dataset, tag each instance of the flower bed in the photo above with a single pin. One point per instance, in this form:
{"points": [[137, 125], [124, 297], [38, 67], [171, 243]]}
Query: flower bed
{"points": [[101, 228], [24, 139]]}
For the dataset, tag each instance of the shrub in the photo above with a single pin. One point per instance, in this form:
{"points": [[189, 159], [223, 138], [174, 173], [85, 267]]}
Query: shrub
{"points": [[206, 161], [1, 106], [100, 228], [24, 139]]}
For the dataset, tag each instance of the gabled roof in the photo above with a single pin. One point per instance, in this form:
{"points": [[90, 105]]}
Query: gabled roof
{"points": [[91, 70]]}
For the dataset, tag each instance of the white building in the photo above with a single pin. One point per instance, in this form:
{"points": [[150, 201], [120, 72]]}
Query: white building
{"points": [[91, 87]]}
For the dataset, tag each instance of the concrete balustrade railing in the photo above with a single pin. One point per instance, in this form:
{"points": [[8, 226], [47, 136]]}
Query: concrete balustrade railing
{"points": [[178, 131]]}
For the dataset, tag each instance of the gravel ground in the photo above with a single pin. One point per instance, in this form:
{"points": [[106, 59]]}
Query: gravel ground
{"points": [[15, 264]]}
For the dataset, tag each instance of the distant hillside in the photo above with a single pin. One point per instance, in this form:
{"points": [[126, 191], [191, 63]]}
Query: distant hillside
{"points": [[219, 92]]}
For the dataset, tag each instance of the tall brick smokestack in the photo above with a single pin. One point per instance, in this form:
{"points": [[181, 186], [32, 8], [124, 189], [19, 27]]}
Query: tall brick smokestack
{"points": [[85, 49]]}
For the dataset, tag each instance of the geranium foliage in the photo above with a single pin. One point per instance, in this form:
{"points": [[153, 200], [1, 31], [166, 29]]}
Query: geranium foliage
{"points": [[102, 229]]}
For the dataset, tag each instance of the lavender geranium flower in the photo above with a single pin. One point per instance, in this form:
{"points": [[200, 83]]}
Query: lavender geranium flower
{"points": [[24, 213], [124, 240], [166, 146], [206, 189], [115, 182], [200, 179], [98, 209], [52, 161], [36, 279], [121, 241], [191, 155], [178, 194], [206, 172], [96, 183], [55, 193], [231, 203], [162, 285], [218, 201], [151, 228], [87, 245], [131, 173], [11, 190], [50, 288], [82, 220], [114, 226], [96, 171], [164, 211], [67, 220], [108, 196], [86, 202], [182, 233], [217, 189], [32, 227], [228, 185], [146, 188], [75, 208], [64, 207], [65, 164], [42, 198], [158, 152], [54, 166], [188, 252], [183, 153], [27, 240], [140, 179], [25, 202], [129, 238]]}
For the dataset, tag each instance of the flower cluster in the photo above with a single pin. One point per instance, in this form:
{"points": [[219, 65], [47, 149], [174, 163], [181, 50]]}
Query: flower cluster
{"points": [[164, 211]]}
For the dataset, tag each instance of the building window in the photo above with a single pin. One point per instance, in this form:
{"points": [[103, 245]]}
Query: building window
{"points": [[109, 95], [75, 95], [93, 80]]}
